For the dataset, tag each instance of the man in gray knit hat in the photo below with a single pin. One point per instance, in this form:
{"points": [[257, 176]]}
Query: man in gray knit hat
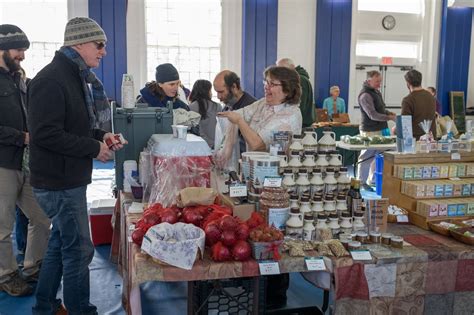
{"points": [[65, 125], [15, 186]]}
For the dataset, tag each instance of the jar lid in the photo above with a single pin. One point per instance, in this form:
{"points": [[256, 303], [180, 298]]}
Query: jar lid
{"points": [[281, 153], [341, 197], [329, 198], [308, 129], [294, 196], [306, 195], [302, 171], [329, 170], [305, 199], [294, 153], [322, 216], [397, 239], [387, 235], [358, 214], [295, 210], [297, 136], [361, 233], [333, 216], [345, 214], [316, 170], [317, 199], [354, 244], [374, 233], [287, 171], [308, 216], [308, 153]]}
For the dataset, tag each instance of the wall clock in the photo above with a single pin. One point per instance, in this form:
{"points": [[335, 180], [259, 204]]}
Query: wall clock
{"points": [[388, 22]]}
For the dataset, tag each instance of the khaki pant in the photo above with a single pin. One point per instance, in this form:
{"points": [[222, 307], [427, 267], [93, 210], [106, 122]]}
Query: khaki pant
{"points": [[366, 167], [15, 189]]}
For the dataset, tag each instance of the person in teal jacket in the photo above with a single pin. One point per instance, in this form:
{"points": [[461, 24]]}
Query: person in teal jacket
{"points": [[334, 104]]}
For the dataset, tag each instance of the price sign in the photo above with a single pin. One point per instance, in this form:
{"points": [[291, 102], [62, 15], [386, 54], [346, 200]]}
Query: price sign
{"points": [[455, 156], [272, 181], [361, 255], [268, 267], [402, 218], [315, 263], [238, 190]]}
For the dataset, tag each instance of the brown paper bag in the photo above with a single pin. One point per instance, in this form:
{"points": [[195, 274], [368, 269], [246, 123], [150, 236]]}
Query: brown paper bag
{"points": [[195, 196]]}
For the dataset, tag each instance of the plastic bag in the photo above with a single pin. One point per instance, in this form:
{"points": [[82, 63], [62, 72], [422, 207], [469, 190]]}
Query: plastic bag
{"points": [[227, 148]]}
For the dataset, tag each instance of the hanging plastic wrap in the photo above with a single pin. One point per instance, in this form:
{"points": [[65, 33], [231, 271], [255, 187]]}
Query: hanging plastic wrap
{"points": [[177, 164], [227, 148]]}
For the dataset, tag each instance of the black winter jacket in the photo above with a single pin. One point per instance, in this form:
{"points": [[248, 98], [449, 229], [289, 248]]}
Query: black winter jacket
{"points": [[12, 120], [62, 145]]}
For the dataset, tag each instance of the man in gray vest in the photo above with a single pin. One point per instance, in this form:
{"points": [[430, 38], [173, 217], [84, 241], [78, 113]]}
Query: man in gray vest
{"points": [[374, 119]]}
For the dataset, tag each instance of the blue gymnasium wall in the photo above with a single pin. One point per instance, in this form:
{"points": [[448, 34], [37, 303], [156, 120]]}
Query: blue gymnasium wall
{"points": [[259, 42], [455, 46], [111, 15], [333, 48]]}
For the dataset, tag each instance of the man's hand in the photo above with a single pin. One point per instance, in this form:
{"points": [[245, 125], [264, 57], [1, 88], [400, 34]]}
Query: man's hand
{"points": [[27, 138], [104, 154], [392, 116], [116, 145]]}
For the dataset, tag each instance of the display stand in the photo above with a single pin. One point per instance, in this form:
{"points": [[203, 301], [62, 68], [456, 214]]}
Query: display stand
{"points": [[392, 185]]}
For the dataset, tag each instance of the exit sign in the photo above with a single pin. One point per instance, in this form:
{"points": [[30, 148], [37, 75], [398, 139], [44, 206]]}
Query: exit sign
{"points": [[387, 61]]}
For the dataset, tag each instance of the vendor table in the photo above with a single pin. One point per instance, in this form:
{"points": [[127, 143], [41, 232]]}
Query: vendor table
{"points": [[353, 150], [432, 274], [339, 130]]}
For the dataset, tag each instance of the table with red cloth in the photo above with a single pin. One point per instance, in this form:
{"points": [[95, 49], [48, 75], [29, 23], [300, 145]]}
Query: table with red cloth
{"points": [[432, 274]]}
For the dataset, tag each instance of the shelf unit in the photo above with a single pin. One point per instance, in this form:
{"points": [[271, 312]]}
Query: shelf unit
{"points": [[391, 187]]}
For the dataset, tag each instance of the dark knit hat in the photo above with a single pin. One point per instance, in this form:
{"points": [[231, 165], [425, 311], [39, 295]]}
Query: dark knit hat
{"points": [[81, 30], [166, 72], [12, 37]]}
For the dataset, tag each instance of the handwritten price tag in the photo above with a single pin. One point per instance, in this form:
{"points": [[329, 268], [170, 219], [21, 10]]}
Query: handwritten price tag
{"points": [[272, 181], [238, 190], [269, 267], [361, 255], [315, 263]]}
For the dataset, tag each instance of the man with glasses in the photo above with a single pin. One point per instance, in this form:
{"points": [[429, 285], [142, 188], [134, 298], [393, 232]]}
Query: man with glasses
{"points": [[68, 110], [229, 92], [15, 186]]}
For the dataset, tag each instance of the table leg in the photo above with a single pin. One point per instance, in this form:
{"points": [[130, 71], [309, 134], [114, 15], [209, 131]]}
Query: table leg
{"points": [[256, 295], [190, 298]]}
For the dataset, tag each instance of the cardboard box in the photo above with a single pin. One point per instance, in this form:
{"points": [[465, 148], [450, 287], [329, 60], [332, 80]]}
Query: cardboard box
{"points": [[242, 211], [100, 217]]}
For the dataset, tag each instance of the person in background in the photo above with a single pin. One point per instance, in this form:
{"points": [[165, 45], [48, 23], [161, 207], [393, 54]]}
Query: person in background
{"points": [[420, 104], [432, 90], [230, 93], [334, 104], [15, 188], [308, 110], [374, 119], [201, 103], [68, 106], [165, 89], [277, 111]]}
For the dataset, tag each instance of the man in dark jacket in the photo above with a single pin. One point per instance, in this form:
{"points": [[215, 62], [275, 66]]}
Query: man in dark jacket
{"points": [[308, 110], [15, 186], [374, 119], [65, 120]]}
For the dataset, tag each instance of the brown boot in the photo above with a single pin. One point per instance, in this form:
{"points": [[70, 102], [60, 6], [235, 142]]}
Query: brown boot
{"points": [[16, 286]]}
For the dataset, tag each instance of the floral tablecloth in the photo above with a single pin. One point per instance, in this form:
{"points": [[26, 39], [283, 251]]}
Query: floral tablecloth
{"points": [[432, 274]]}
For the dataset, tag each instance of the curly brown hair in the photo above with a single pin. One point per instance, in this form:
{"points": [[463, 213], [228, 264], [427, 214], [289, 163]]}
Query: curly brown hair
{"points": [[290, 82], [157, 90]]}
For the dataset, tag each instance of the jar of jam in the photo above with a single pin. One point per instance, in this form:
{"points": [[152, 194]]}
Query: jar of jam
{"points": [[354, 245], [362, 237], [375, 237], [397, 242], [386, 237]]}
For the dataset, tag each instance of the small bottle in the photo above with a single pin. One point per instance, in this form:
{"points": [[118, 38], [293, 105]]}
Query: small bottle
{"points": [[305, 205], [295, 161], [288, 182], [302, 182], [356, 197], [341, 203], [343, 181], [296, 144], [316, 182], [330, 182], [308, 227], [128, 96], [329, 204], [346, 223], [358, 224], [317, 206], [334, 225], [294, 225], [283, 162], [322, 229], [294, 201]]}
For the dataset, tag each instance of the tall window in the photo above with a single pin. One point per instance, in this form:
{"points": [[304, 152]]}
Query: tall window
{"points": [[43, 21], [186, 34]]}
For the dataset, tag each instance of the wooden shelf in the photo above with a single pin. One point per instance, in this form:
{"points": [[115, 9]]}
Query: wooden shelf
{"points": [[422, 221], [426, 158]]}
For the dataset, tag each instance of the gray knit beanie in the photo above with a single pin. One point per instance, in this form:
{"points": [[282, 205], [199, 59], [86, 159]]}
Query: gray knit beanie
{"points": [[12, 37], [166, 72], [80, 30]]}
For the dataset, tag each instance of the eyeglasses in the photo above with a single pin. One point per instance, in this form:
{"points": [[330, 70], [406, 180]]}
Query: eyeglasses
{"points": [[270, 83], [99, 45]]}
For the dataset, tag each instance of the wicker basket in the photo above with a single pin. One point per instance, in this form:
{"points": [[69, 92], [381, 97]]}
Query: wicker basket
{"points": [[458, 234], [266, 250], [442, 230]]}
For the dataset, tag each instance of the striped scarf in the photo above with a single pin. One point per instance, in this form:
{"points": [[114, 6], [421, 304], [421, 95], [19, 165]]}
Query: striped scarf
{"points": [[98, 105]]}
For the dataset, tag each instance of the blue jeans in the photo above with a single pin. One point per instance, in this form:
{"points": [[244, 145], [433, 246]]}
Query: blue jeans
{"points": [[69, 253]]}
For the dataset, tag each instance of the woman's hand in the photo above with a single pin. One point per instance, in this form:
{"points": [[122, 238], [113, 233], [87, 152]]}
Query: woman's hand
{"points": [[233, 117]]}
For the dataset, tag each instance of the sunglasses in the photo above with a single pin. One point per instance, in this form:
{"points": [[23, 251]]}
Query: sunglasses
{"points": [[271, 84], [99, 45]]}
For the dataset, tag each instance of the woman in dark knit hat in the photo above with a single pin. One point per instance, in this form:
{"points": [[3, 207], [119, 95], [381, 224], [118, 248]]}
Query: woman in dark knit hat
{"points": [[165, 89]]}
